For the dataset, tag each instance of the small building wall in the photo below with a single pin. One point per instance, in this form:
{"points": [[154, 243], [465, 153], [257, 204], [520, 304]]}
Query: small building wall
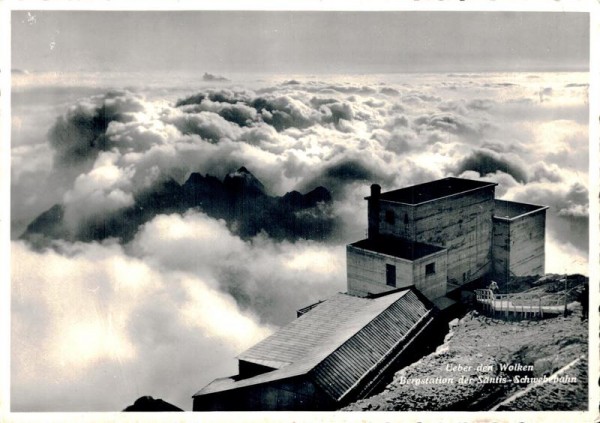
{"points": [[461, 223], [295, 394], [432, 285], [367, 274]]}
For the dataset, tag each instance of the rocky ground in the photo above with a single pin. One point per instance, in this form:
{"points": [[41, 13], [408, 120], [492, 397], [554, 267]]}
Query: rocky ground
{"points": [[467, 372], [553, 396]]}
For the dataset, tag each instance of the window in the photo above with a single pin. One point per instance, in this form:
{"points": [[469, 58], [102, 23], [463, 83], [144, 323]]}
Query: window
{"points": [[406, 218], [390, 217], [430, 269], [390, 275]]}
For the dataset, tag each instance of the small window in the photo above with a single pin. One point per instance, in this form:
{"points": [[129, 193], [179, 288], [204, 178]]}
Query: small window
{"points": [[406, 218], [390, 275], [430, 269], [390, 217]]}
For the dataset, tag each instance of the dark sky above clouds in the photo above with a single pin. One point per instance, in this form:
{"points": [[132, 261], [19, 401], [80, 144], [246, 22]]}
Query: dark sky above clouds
{"points": [[303, 42]]}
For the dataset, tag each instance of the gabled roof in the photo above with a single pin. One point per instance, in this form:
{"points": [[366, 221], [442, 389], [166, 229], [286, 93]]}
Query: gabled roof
{"points": [[335, 344], [433, 190]]}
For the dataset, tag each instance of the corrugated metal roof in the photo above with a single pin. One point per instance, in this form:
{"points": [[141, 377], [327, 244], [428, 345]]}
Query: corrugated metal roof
{"points": [[339, 340], [342, 369], [329, 324]]}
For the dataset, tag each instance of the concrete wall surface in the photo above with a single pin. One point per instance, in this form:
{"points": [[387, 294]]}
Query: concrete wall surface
{"points": [[527, 245], [431, 285], [366, 271], [282, 395], [462, 224]]}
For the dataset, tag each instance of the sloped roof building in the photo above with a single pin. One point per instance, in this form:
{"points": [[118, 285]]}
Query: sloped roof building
{"points": [[331, 355]]}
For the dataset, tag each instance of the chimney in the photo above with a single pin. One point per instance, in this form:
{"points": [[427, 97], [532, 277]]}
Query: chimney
{"points": [[375, 191], [373, 211]]}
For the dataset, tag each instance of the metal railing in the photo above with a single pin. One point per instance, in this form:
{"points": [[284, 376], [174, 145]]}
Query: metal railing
{"points": [[520, 304]]}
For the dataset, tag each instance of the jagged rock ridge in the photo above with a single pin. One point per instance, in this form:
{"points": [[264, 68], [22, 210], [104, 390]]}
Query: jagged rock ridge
{"points": [[240, 199]]}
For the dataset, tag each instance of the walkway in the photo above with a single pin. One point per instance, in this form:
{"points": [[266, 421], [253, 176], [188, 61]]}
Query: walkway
{"points": [[516, 305]]}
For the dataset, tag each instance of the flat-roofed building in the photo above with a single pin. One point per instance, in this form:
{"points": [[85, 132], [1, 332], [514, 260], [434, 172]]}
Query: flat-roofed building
{"points": [[401, 263], [477, 237], [452, 213]]}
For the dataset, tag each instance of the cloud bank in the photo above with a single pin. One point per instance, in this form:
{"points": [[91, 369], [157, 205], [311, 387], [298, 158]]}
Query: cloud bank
{"points": [[162, 316]]}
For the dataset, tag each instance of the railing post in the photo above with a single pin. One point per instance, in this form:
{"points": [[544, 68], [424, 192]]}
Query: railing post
{"points": [[565, 312], [522, 311]]}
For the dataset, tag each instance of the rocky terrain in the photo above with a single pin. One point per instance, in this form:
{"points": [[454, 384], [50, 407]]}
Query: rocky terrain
{"points": [[555, 396], [484, 362]]}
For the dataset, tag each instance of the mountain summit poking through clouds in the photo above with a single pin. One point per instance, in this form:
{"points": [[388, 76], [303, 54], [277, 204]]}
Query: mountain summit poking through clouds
{"points": [[240, 199], [244, 182]]}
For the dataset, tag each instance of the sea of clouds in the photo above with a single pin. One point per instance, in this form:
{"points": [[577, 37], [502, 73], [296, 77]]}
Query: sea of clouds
{"points": [[97, 324]]}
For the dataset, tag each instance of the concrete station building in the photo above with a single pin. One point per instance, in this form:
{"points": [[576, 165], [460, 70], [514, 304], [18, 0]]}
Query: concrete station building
{"points": [[440, 235], [423, 242]]}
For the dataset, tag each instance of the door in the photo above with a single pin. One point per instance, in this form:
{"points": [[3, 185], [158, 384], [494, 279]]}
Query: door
{"points": [[390, 275]]}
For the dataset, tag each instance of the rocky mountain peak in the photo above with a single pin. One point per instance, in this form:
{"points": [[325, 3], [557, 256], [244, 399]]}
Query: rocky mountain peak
{"points": [[244, 182]]}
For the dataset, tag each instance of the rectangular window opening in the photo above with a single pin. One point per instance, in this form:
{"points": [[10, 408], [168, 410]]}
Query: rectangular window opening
{"points": [[390, 275], [390, 217], [430, 269]]}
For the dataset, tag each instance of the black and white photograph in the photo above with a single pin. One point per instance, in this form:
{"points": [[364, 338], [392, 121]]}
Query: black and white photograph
{"points": [[300, 210]]}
